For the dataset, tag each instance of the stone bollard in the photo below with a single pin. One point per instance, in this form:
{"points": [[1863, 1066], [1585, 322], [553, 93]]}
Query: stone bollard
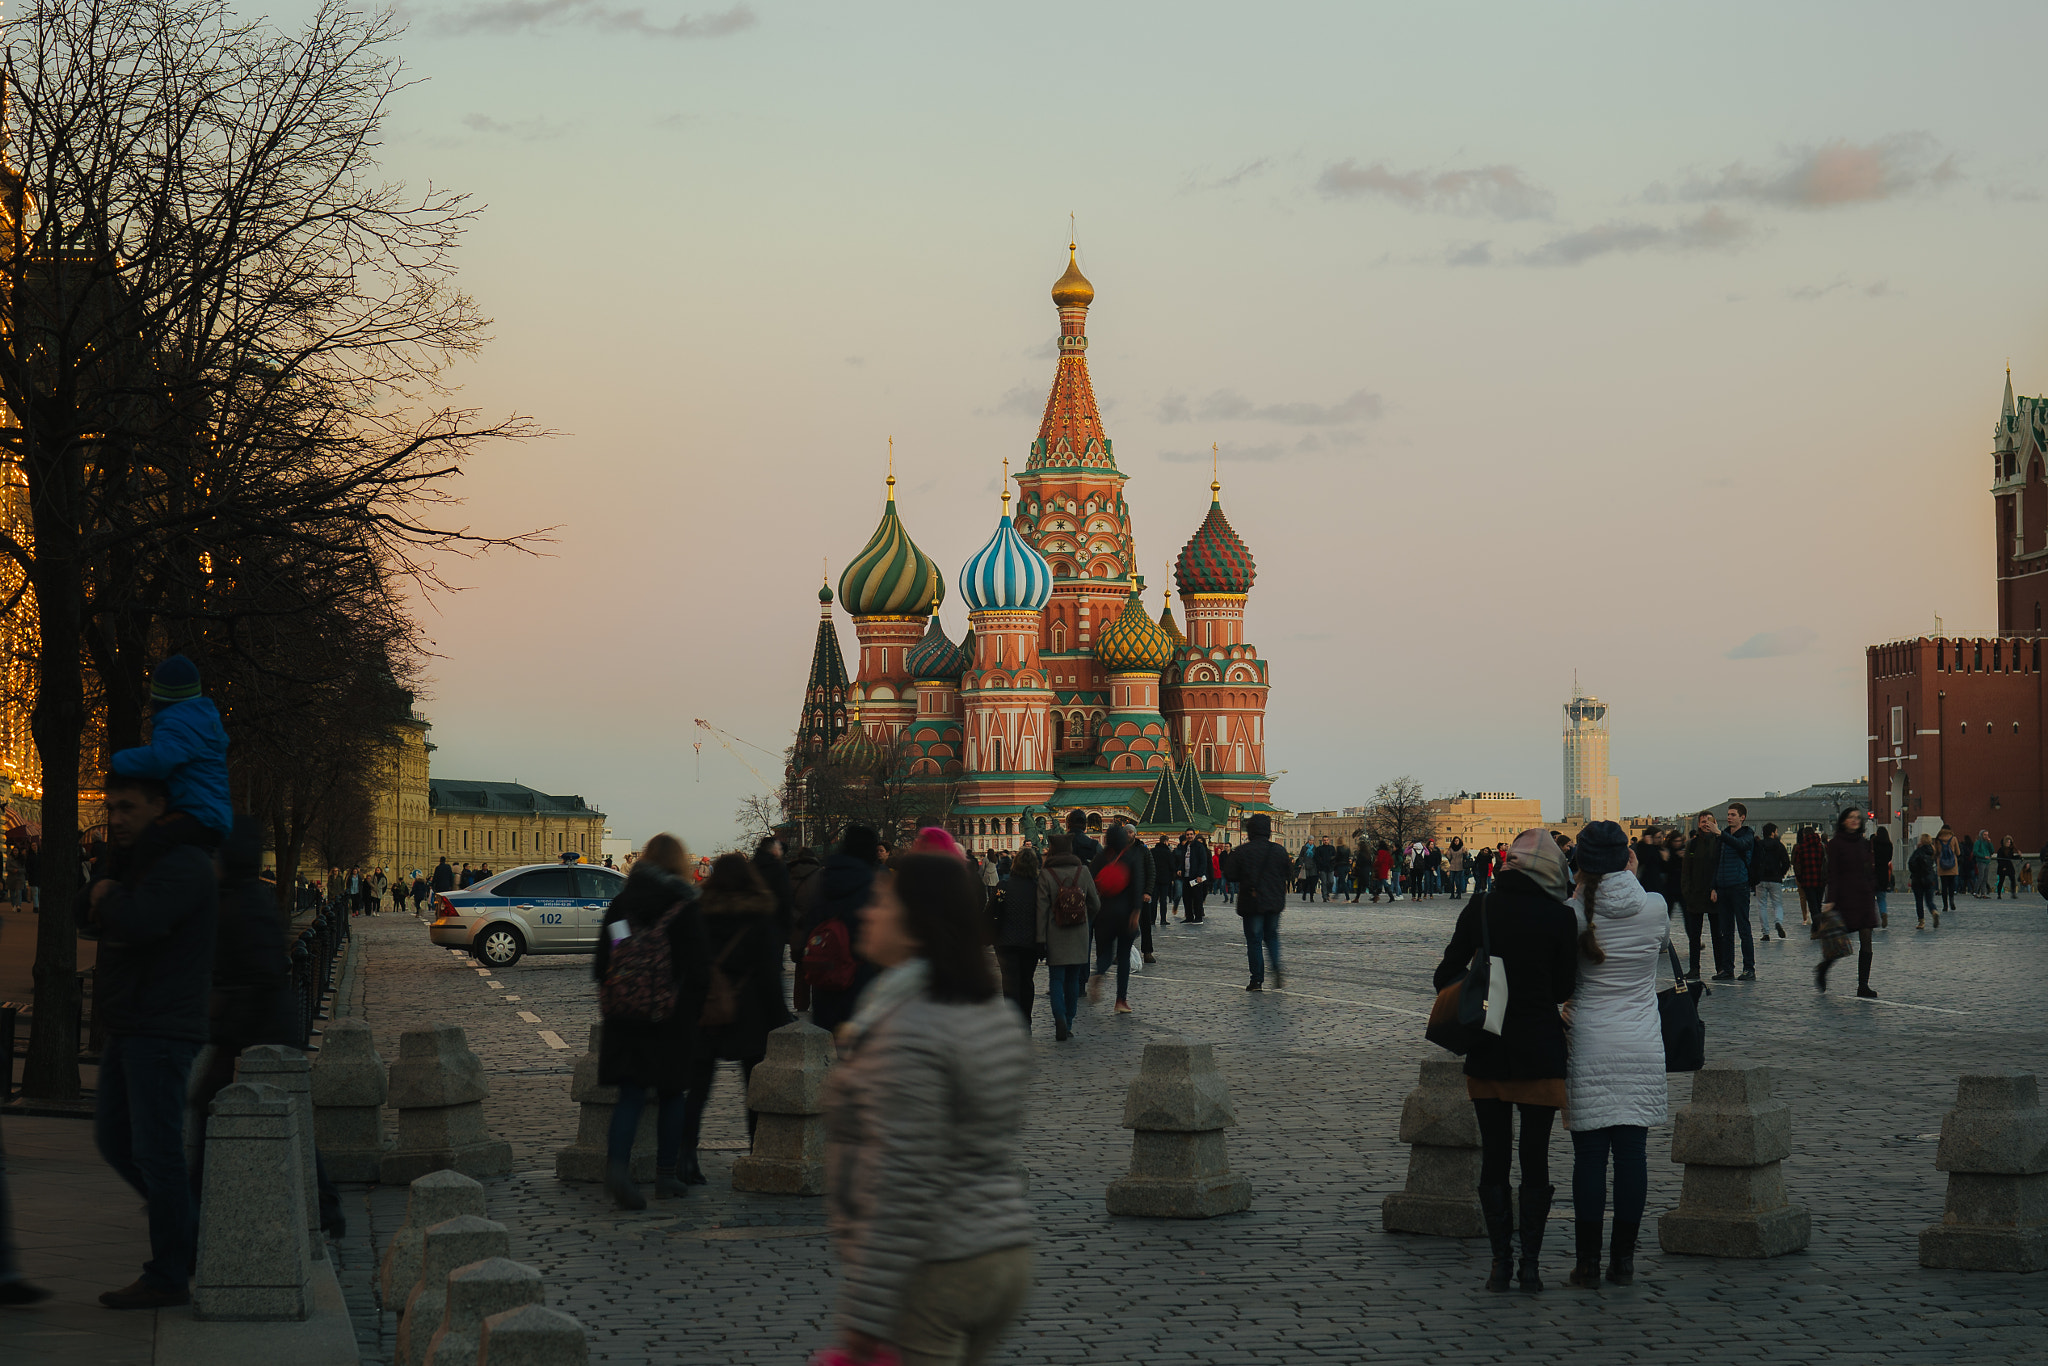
{"points": [[288, 1070], [788, 1095], [1442, 1196], [438, 1088], [450, 1244], [254, 1262], [1177, 1109], [433, 1199], [349, 1085], [532, 1336], [1732, 1139], [475, 1293], [1994, 1147], [584, 1159]]}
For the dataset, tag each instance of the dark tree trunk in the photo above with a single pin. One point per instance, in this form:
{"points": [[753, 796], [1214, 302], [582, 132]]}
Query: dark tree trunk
{"points": [[59, 722]]}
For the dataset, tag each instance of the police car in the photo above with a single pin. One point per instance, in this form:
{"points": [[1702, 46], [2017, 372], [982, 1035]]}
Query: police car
{"points": [[541, 908]]}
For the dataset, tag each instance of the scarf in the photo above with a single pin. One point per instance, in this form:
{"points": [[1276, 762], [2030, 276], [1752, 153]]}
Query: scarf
{"points": [[904, 982], [1536, 854]]}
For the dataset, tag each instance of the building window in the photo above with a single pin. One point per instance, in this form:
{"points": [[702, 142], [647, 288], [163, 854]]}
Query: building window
{"points": [[437, 839], [1898, 725], [1059, 731], [995, 749], [1977, 659], [465, 841], [490, 839], [1963, 727], [1059, 639], [1209, 758]]}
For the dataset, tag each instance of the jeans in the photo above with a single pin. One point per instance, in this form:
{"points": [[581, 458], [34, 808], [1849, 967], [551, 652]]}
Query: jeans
{"points": [[1731, 911], [139, 1125], [1590, 1148], [1458, 883], [1770, 906], [696, 1095], [1884, 914], [1262, 930], [1923, 902], [1020, 970], [1113, 936], [671, 1121], [1496, 1139], [1327, 881], [1063, 989]]}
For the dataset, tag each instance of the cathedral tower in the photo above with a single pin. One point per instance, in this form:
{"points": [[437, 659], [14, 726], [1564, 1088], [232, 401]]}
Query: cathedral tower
{"points": [[1004, 695], [890, 588], [824, 715], [1134, 649], [1220, 697]]}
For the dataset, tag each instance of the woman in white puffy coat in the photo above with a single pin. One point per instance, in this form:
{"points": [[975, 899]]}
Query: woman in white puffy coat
{"points": [[1614, 1086]]}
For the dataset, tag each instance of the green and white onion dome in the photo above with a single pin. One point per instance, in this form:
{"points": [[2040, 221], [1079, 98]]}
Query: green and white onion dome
{"points": [[855, 751], [891, 576], [1006, 575]]}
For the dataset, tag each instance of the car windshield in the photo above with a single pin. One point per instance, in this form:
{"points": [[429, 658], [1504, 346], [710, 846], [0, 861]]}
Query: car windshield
{"points": [[542, 884]]}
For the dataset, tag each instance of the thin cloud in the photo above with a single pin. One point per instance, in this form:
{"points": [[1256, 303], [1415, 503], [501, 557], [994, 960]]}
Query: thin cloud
{"points": [[1469, 254], [1023, 400], [524, 16], [1234, 454], [1227, 405], [1810, 293], [1711, 230], [1792, 640], [1833, 174], [525, 130], [1480, 192], [1249, 170]]}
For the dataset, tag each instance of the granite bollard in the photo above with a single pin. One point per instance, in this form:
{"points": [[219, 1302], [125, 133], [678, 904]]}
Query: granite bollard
{"points": [[475, 1293], [349, 1086], [585, 1158], [787, 1094], [1177, 1109], [450, 1244], [1994, 1147], [438, 1087], [432, 1199], [288, 1070], [1442, 1129], [1732, 1140], [254, 1262], [532, 1336]]}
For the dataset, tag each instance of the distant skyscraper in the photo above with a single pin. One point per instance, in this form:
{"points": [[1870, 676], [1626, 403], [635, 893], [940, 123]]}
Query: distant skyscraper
{"points": [[1589, 793]]}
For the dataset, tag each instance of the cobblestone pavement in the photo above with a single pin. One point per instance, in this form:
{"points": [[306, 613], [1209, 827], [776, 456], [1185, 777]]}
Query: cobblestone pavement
{"points": [[1317, 1073]]}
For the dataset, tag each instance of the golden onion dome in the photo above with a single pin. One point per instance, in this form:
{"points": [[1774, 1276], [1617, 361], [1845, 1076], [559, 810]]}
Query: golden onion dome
{"points": [[1073, 289], [1134, 643]]}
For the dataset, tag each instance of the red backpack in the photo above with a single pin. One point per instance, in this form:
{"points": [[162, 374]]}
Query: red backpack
{"points": [[828, 957], [640, 981]]}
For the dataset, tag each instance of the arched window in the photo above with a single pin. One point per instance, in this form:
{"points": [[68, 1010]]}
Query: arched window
{"points": [[1059, 731], [996, 753], [1059, 638]]}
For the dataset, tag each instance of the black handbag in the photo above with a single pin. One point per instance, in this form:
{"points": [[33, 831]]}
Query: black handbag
{"points": [[1457, 1020], [1678, 1011]]}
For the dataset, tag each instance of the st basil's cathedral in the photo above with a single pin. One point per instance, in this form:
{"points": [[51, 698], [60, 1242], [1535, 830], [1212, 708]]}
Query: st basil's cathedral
{"points": [[1065, 693]]}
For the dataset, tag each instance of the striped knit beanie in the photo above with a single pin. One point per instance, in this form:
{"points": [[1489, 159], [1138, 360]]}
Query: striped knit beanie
{"points": [[175, 680]]}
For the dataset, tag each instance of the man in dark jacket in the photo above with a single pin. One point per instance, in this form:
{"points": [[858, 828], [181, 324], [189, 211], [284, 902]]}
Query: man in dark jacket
{"points": [[1166, 877], [1729, 903], [774, 876], [1767, 876], [444, 876], [153, 902], [1086, 846], [1260, 869], [1197, 876], [838, 892], [1696, 879]]}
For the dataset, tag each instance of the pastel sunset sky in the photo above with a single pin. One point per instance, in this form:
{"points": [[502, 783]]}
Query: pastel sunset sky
{"points": [[1660, 343]]}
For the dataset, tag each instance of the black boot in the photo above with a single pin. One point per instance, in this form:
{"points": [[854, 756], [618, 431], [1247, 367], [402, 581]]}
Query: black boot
{"points": [[693, 1175], [1500, 1231], [1535, 1210], [619, 1185], [1621, 1266], [1586, 1274]]}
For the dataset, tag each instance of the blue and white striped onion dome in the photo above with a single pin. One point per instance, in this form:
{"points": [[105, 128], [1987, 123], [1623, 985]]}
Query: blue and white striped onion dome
{"points": [[1006, 575]]}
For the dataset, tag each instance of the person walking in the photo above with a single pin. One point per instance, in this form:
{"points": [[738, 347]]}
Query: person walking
{"points": [[1523, 1068], [1305, 871], [380, 887], [1019, 944], [1259, 868], [1773, 861], [1068, 906], [420, 892], [444, 876], [1345, 887], [924, 1200], [1948, 863], [1119, 873], [1166, 878], [1457, 866], [1922, 877], [1852, 895], [774, 875], [652, 973], [2008, 868], [153, 904], [1382, 872], [1730, 900], [743, 939], [1982, 854], [1326, 868], [1809, 870], [1615, 1080], [1696, 872], [1881, 865], [832, 965], [1197, 875]]}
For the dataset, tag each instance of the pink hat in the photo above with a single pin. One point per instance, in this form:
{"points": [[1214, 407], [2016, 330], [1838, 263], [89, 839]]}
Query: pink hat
{"points": [[933, 840]]}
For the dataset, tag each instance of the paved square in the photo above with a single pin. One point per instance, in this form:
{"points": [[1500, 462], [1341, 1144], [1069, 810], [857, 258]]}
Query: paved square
{"points": [[1317, 1073]]}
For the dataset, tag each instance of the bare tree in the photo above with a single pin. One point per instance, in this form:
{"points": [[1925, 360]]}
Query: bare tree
{"points": [[226, 340], [759, 816], [1398, 814]]}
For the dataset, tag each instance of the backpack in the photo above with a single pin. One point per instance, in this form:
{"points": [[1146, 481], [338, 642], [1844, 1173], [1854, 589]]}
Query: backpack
{"points": [[1069, 904], [640, 981], [722, 995], [828, 957]]}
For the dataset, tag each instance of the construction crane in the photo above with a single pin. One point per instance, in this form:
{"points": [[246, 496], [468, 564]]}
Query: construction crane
{"points": [[724, 738]]}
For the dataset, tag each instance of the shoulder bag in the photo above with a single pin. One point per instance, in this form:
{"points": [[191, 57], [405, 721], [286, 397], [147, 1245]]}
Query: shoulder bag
{"points": [[1678, 1012], [1473, 1006]]}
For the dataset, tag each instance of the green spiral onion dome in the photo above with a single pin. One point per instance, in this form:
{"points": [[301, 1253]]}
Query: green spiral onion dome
{"points": [[1134, 643], [855, 751], [1214, 560], [891, 577], [935, 657]]}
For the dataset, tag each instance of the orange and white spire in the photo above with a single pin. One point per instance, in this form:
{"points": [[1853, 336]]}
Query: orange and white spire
{"points": [[1071, 432]]}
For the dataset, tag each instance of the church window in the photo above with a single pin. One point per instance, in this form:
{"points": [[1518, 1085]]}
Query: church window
{"points": [[1059, 731], [1209, 758], [995, 749], [1898, 725], [1059, 639]]}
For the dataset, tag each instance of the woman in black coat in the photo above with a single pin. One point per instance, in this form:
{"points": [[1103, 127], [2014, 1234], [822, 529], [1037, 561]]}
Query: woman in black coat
{"points": [[633, 1051], [1534, 939], [743, 940], [1015, 926], [837, 891]]}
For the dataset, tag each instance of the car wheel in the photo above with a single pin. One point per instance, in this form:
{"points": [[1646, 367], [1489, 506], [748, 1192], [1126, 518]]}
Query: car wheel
{"points": [[500, 946]]}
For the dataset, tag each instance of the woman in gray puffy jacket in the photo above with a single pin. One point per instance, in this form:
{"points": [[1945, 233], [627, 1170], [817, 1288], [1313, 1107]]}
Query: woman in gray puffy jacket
{"points": [[926, 1206]]}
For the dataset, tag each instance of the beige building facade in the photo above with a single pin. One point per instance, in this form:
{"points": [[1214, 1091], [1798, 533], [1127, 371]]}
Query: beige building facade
{"points": [[502, 825], [403, 838]]}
